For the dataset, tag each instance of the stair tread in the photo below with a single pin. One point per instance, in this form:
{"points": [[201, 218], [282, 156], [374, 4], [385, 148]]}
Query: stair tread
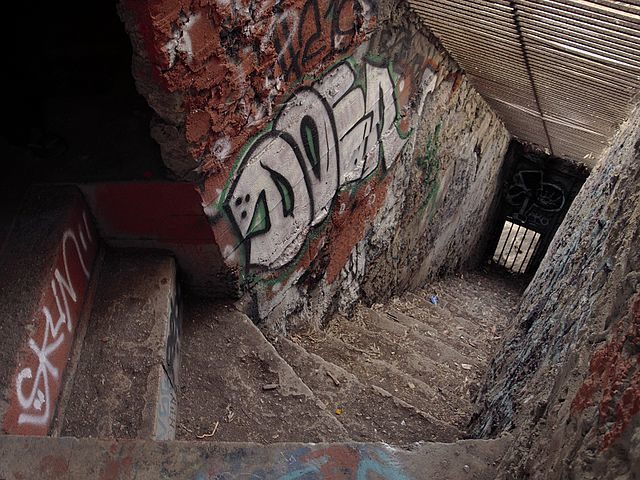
{"points": [[430, 356], [115, 388], [233, 378], [438, 346], [437, 315], [443, 371], [439, 322], [373, 371], [367, 414]]}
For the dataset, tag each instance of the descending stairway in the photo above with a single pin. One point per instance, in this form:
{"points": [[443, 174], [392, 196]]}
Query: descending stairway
{"points": [[428, 358], [113, 356], [397, 373]]}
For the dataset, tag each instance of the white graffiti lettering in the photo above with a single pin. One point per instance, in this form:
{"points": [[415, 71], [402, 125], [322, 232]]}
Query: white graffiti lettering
{"points": [[325, 137], [37, 404]]}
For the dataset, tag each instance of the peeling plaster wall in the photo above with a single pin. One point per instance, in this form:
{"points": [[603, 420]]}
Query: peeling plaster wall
{"points": [[568, 379], [340, 153]]}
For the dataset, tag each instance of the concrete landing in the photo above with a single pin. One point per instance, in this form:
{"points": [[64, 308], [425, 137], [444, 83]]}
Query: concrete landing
{"points": [[124, 383], [70, 459]]}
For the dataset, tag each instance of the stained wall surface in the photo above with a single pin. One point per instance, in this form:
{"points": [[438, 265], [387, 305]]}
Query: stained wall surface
{"points": [[339, 152], [568, 379]]}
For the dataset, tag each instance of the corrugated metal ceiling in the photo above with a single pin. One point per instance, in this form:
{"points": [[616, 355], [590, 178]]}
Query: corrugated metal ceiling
{"points": [[560, 73]]}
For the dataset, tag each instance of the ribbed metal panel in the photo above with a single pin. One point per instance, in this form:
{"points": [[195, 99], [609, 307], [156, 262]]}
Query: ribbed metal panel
{"points": [[560, 73]]}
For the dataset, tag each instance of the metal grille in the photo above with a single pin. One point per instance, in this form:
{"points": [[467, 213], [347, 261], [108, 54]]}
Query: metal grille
{"points": [[561, 73], [516, 247]]}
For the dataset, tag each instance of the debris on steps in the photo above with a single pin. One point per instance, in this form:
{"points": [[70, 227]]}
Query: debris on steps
{"points": [[236, 387], [123, 385], [418, 361], [54, 458], [369, 413], [456, 346], [372, 370], [428, 349], [415, 367]]}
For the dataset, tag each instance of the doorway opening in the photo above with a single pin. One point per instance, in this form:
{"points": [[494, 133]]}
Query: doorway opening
{"points": [[516, 247]]}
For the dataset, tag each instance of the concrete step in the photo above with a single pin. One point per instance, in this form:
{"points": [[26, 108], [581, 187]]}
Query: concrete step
{"points": [[411, 359], [444, 330], [450, 318], [236, 387], [478, 296], [370, 369], [46, 266], [368, 413], [443, 349], [417, 305], [68, 458], [124, 383], [430, 356]]}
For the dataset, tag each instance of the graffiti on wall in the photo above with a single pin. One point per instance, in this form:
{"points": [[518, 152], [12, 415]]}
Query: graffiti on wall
{"points": [[167, 409], [335, 132], [327, 463], [429, 164], [39, 372], [234, 61], [167, 406], [303, 36], [408, 52], [172, 356], [533, 198]]}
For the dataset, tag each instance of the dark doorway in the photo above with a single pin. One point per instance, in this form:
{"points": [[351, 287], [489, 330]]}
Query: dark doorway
{"points": [[72, 112], [534, 200]]}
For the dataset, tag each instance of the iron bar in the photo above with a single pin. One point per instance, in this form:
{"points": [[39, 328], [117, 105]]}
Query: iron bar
{"points": [[505, 242]]}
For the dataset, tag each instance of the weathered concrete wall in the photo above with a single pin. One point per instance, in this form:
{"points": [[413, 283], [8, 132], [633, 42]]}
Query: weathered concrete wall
{"points": [[568, 379], [340, 153]]}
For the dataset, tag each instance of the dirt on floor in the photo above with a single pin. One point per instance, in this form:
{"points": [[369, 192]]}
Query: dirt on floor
{"points": [[428, 349], [235, 387]]}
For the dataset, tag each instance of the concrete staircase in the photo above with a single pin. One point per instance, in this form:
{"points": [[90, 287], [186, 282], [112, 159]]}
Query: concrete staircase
{"points": [[103, 358], [398, 373]]}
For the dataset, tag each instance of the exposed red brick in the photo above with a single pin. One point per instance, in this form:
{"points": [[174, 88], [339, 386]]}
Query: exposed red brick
{"points": [[228, 81], [614, 374], [348, 226], [198, 125]]}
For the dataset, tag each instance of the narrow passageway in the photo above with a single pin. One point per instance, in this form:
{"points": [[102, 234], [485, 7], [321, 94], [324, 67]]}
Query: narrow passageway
{"points": [[328, 239], [399, 373]]}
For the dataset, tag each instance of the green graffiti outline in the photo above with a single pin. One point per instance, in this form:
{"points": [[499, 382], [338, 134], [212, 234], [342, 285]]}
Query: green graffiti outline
{"points": [[360, 81], [430, 164], [312, 236]]}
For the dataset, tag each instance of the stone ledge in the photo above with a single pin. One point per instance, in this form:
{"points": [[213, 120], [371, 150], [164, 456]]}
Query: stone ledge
{"points": [[69, 458], [45, 267]]}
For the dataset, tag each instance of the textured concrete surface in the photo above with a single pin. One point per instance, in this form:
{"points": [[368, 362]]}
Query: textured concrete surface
{"points": [[124, 383], [400, 373], [235, 385], [368, 413], [45, 267], [70, 459], [408, 370], [567, 379]]}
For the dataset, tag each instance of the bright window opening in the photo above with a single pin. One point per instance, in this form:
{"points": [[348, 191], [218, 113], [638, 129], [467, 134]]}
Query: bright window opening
{"points": [[516, 247]]}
